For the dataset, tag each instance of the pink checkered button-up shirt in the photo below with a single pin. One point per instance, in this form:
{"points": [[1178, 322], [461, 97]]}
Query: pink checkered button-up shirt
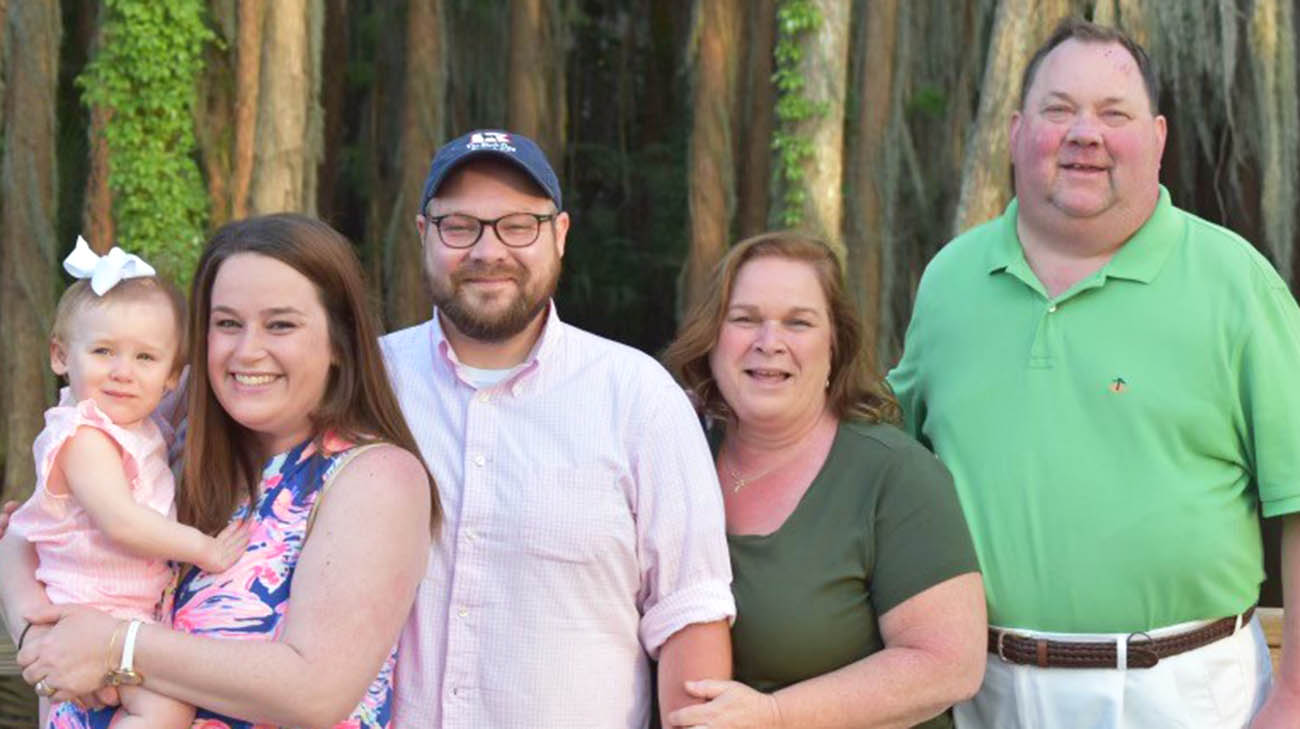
{"points": [[583, 527]]}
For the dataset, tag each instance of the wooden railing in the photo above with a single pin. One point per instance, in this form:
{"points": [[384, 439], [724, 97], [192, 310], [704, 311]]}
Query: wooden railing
{"points": [[1271, 620], [17, 702], [8, 665]]}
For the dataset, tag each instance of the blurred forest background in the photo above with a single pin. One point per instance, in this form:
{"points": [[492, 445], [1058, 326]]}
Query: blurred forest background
{"points": [[677, 127]]}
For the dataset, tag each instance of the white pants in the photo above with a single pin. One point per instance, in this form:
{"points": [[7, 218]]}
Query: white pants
{"points": [[1216, 686]]}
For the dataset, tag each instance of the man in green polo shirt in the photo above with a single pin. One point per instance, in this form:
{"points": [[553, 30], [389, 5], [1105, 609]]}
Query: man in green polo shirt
{"points": [[1115, 386]]}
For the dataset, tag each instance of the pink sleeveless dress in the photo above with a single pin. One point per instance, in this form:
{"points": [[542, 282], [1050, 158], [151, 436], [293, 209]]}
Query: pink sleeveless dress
{"points": [[78, 563]]}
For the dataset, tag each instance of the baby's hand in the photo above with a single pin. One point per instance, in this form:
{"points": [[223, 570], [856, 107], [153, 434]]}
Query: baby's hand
{"points": [[226, 548]]}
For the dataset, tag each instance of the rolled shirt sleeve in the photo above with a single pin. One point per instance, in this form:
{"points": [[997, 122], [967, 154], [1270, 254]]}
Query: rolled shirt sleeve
{"points": [[681, 537]]}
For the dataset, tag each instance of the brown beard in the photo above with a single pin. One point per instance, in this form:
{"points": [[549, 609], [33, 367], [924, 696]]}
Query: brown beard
{"points": [[499, 327]]}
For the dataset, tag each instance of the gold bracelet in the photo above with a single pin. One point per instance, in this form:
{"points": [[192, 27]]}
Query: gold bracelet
{"points": [[112, 642]]}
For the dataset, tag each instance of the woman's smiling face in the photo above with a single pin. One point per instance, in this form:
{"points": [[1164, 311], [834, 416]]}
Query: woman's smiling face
{"points": [[269, 352], [773, 354]]}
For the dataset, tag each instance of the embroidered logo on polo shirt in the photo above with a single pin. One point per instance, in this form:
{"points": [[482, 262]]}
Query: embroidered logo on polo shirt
{"points": [[1117, 385]]}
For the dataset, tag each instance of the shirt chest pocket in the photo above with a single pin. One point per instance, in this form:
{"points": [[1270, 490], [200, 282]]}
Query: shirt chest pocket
{"points": [[576, 515]]}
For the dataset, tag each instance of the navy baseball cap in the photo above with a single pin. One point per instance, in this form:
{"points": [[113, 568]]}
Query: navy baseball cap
{"points": [[516, 148]]}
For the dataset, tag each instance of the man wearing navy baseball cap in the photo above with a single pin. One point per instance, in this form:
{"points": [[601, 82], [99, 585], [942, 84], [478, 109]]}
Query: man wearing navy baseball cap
{"points": [[584, 530]]}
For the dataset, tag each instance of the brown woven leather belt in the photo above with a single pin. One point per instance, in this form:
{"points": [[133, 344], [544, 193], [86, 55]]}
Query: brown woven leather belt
{"points": [[1143, 651]]}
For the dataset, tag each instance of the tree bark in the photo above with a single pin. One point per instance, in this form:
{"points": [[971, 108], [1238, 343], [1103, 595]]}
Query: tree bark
{"points": [[824, 67], [1131, 18], [406, 292], [865, 217], [333, 102], [98, 217], [287, 147], [711, 184], [1127, 15], [755, 165], [97, 208], [537, 104], [1273, 58], [214, 109], [248, 71], [1018, 28], [379, 141], [1105, 13], [28, 179], [4, 14]]}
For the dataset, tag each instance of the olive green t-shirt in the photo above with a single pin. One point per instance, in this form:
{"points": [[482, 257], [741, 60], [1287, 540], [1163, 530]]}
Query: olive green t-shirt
{"points": [[879, 523]]}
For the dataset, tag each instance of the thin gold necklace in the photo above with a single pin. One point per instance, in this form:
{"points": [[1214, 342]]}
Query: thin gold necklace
{"points": [[739, 482]]}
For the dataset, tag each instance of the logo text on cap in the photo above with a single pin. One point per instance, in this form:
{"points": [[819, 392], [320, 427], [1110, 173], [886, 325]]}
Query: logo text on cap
{"points": [[499, 141]]}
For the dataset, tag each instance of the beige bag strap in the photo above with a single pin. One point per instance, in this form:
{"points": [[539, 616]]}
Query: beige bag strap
{"points": [[337, 466]]}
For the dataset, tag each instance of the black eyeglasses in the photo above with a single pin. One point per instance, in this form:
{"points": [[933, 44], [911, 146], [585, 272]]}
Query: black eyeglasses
{"points": [[517, 230]]}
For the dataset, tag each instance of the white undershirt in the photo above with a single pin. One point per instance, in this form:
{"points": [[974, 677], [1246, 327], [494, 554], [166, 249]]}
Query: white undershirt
{"points": [[482, 378]]}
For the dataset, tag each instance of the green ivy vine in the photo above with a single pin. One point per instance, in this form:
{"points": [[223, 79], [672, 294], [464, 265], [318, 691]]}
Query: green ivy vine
{"points": [[143, 76], [795, 19]]}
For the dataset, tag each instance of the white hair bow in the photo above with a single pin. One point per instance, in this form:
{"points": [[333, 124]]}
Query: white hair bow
{"points": [[104, 271]]}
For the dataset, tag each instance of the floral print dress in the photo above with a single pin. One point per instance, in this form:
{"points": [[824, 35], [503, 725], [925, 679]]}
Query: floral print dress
{"points": [[249, 601]]}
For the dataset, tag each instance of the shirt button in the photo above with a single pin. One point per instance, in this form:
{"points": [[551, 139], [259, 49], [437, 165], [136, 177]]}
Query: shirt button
{"points": [[470, 535], [1051, 309], [455, 691], [479, 460], [484, 397], [462, 613]]}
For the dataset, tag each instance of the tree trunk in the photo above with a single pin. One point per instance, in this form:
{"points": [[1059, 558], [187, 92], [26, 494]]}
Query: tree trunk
{"points": [[1104, 13], [537, 104], [755, 165], [865, 218], [4, 14], [1131, 18], [98, 217], [1127, 15], [710, 182], [4, 361], [1272, 55], [478, 69], [31, 36], [407, 298], [248, 72], [97, 211], [333, 104], [288, 133], [824, 68], [379, 141], [1018, 28], [214, 109]]}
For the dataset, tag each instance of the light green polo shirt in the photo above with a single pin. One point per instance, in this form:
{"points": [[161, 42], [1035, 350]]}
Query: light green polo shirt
{"points": [[1113, 445]]}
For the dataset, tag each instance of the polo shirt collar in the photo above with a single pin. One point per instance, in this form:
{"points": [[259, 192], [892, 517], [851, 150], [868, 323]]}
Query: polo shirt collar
{"points": [[1139, 259], [1145, 253], [1006, 254]]}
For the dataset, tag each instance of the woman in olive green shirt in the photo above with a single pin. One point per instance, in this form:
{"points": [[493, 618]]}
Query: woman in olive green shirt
{"points": [[859, 601]]}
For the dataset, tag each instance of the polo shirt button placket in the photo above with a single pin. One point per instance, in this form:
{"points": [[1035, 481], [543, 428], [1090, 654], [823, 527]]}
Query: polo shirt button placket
{"points": [[1040, 352]]}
